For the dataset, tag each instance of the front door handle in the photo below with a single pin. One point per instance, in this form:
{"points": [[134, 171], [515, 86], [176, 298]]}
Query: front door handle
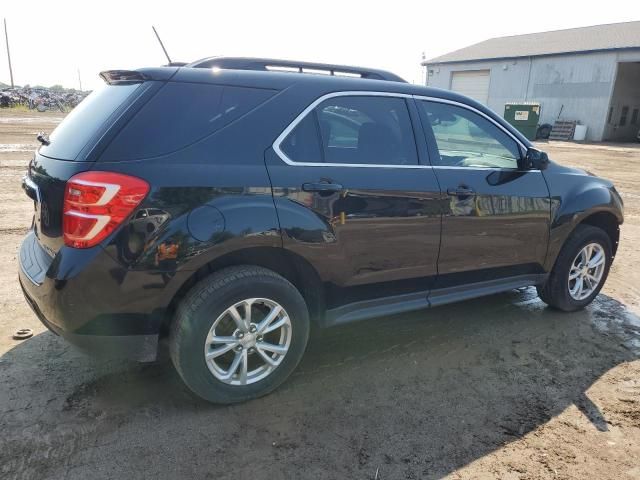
{"points": [[322, 187], [461, 191]]}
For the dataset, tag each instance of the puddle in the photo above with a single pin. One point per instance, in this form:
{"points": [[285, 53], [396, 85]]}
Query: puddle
{"points": [[612, 318]]}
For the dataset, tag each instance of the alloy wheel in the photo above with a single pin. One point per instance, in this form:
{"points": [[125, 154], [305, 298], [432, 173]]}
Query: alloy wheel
{"points": [[248, 341], [586, 271]]}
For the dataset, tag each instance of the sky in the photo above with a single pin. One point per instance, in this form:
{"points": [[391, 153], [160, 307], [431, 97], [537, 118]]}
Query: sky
{"points": [[50, 41]]}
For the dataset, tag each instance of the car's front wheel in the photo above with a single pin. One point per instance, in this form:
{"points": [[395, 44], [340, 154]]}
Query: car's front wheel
{"points": [[238, 334], [580, 270]]}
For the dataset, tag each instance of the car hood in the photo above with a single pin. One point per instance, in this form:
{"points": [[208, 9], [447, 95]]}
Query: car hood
{"points": [[558, 169]]}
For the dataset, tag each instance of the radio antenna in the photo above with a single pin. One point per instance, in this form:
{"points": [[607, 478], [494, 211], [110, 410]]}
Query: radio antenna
{"points": [[161, 44]]}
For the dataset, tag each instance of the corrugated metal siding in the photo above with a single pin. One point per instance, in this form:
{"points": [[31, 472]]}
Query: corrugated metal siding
{"points": [[578, 85]]}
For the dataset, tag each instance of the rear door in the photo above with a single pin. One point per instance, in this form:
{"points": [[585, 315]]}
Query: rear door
{"points": [[496, 215], [353, 197]]}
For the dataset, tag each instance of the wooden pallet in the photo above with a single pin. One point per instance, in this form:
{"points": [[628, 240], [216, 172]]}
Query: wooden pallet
{"points": [[563, 130]]}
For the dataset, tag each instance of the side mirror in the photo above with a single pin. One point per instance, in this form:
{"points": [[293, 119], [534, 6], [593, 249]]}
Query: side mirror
{"points": [[536, 159]]}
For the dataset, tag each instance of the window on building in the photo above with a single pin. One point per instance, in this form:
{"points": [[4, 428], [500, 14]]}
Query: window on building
{"points": [[634, 117], [610, 116], [466, 139], [623, 116]]}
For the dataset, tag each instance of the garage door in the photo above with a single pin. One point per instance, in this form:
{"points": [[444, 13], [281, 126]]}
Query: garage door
{"points": [[474, 84]]}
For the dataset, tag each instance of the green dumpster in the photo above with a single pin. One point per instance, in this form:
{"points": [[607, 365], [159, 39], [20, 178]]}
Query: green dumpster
{"points": [[524, 116]]}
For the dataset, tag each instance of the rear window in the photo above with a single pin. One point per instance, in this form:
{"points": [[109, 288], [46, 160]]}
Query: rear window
{"points": [[73, 133], [179, 115]]}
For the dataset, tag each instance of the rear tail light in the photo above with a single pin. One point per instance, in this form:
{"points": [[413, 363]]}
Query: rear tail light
{"points": [[96, 203]]}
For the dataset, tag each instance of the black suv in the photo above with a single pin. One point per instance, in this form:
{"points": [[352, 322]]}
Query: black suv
{"points": [[229, 203]]}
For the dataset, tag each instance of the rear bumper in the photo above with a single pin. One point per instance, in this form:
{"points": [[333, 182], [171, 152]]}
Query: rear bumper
{"points": [[90, 300], [141, 348]]}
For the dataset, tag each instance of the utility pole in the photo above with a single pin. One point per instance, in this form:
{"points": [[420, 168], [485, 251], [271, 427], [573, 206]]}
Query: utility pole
{"points": [[6, 38], [79, 80]]}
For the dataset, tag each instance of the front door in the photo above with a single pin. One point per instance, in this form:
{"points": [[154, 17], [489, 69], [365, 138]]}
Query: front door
{"points": [[496, 215], [353, 198]]}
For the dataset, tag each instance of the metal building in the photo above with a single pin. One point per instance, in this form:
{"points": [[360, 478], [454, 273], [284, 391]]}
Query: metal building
{"points": [[589, 74]]}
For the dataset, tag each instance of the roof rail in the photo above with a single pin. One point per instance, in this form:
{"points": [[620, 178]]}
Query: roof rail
{"points": [[271, 64]]}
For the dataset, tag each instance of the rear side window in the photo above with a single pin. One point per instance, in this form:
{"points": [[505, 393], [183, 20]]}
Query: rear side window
{"points": [[179, 115], [373, 130], [84, 121]]}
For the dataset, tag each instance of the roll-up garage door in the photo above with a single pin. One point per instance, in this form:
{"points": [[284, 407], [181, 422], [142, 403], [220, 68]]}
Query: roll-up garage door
{"points": [[474, 84]]}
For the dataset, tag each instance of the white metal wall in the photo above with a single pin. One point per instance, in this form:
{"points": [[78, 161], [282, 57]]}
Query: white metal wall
{"points": [[574, 87]]}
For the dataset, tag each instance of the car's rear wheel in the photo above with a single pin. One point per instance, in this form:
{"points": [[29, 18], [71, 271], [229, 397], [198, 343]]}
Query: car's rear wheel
{"points": [[580, 270], [239, 334]]}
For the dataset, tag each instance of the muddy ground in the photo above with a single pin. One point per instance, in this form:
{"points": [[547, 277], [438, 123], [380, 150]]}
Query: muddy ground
{"points": [[500, 387]]}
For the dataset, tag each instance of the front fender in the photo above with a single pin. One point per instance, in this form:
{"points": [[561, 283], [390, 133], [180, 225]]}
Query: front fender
{"points": [[576, 196]]}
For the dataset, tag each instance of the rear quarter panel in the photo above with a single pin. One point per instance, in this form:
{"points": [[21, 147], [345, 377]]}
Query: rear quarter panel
{"points": [[208, 199]]}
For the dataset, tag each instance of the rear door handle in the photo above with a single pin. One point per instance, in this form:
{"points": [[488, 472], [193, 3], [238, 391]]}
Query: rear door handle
{"points": [[461, 191], [321, 187]]}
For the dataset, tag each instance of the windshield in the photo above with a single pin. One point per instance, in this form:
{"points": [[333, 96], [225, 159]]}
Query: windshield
{"points": [[70, 137]]}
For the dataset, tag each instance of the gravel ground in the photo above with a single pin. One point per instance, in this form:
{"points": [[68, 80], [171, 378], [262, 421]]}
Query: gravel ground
{"points": [[500, 387]]}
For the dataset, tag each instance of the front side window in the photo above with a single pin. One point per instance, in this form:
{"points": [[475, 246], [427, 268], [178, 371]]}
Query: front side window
{"points": [[354, 130], [466, 139]]}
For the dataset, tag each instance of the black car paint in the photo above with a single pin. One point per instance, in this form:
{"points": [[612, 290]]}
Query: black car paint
{"points": [[575, 196], [370, 248]]}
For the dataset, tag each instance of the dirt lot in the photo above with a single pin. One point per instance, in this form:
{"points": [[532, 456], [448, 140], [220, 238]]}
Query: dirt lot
{"points": [[500, 387]]}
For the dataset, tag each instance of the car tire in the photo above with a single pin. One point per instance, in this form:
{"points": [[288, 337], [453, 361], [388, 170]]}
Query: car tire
{"points": [[218, 301], [557, 291], [543, 132]]}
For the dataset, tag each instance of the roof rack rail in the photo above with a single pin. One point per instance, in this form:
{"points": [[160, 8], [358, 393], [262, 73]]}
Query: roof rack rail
{"points": [[271, 64]]}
